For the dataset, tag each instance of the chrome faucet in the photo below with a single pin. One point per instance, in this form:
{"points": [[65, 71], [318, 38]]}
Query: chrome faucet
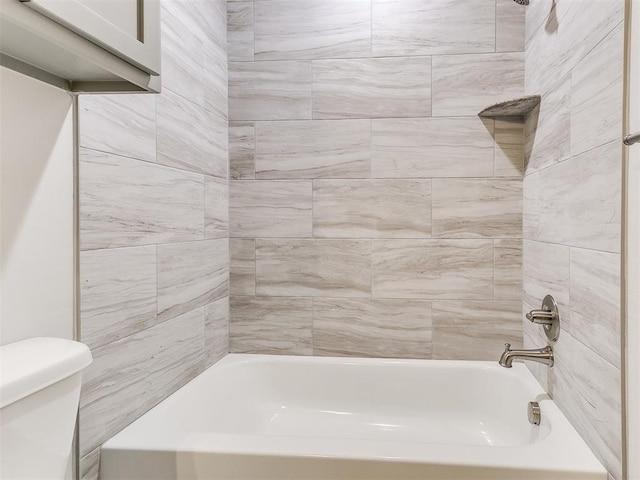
{"points": [[540, 355]]}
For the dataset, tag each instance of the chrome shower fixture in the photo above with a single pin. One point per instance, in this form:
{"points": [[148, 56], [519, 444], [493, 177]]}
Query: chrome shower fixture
{"points": [[522, 2]]}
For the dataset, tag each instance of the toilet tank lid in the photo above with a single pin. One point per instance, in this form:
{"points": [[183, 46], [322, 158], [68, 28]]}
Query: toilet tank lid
{"points": [[31, 365]]}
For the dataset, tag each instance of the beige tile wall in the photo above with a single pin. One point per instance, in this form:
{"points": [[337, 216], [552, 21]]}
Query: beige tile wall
{"points": [[154, 229], [372, 213], [572, 188]]}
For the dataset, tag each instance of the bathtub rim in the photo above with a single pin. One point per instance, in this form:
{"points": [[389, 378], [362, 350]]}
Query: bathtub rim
{"points": [[552, 453]]}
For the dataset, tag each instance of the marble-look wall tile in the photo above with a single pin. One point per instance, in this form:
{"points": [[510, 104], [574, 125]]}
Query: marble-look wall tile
{"points": [[546, 272], [569, 31], [578, 200], [204, 18], [216, 208], [372, 208], [547, 130], [130, 376], [215, 24], [572, 199], [242, 147], [509, 148], [264, 208], [269, 91], [430, 27], [543, 49], [372, 88], [466, 84], [486, 208], [432, 147], [587, 23], [580, 375], [537, 16], [216, 331], [432, 269], [117, 293], [531, 206], [90, 465], [120, 124], [126, 202], [308, 29], [596, 94], [487, 314], [510, 26], [191, 275], [473, 343], [507, 264], [182, 57], [190, 137], [475, 330], [313, 268], [240, 31], [372, 327], [534, 337], [242, 266], [271, 325], [595, 302], [313, 149], [216, 79], [153, 171], [370, 117]]}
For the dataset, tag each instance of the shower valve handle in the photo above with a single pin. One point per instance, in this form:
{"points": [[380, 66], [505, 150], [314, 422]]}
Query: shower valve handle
{"points": [[541, 317], [549, 317]]}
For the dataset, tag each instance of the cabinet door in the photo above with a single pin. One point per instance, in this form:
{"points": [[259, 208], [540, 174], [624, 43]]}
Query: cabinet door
{"points": [[129, 29]]}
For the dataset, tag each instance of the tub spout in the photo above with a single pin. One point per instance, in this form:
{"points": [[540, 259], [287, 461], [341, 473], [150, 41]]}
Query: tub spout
{"points": [[540, 355]]}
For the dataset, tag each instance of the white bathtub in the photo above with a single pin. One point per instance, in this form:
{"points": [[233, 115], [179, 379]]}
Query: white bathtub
{"points": [[269, 417]]}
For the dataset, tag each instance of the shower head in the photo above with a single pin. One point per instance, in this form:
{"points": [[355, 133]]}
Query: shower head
{"points": [[522, 2]]}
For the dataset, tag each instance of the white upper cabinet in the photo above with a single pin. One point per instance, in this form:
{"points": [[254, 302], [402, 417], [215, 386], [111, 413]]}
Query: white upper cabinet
{"points": [[84, 45]]}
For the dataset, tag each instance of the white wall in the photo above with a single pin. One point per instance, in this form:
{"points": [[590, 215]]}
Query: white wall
{"points": [[36, 209]]}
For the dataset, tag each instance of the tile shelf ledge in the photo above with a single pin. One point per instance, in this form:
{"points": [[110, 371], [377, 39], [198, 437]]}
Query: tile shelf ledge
{"points": [[518, 107]]}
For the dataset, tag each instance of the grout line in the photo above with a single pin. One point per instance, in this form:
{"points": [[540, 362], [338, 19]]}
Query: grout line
{"points": [[494, 143], [605, 36], [514, 179], [313, 94], [161, 165], [546, 242], [204, 208], [431, 86], [255, 267], [157, 322], [313, 211], [469, 116], [378, 239], [253, 13], [371, 28], [378, 57], [370, 164], [183, 97], [313, 326], [174, 242], [572, 157], [495, 27], [494, 269], [371, 269], [570, 328]]}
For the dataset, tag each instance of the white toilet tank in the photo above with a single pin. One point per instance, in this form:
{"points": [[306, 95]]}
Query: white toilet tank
{"points": [[40, 382]]}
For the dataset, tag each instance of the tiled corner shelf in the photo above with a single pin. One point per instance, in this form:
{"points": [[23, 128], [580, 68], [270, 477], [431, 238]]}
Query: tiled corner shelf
{"points": [[518, 107]]}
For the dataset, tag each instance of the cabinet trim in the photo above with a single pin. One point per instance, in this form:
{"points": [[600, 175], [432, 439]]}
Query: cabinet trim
{"points": [[83, 21]]}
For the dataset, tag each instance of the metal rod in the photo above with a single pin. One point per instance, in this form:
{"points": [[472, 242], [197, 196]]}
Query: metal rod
{"points": [[632, 138]]}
